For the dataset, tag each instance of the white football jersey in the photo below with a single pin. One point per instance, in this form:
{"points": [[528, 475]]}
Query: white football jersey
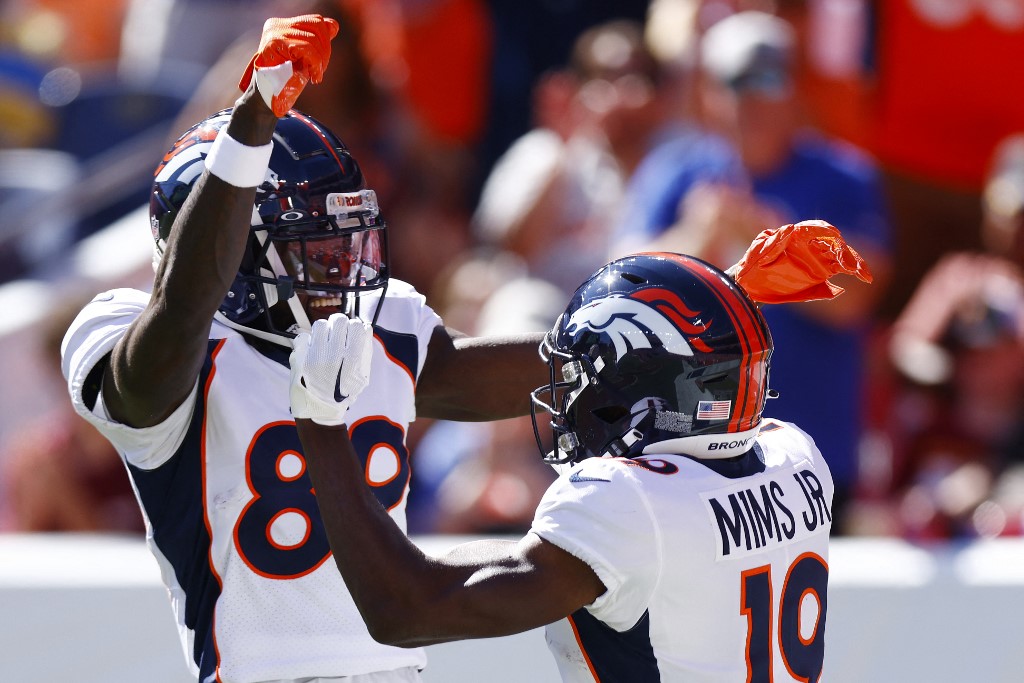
{"points": [[229, 510], [716, 570]]}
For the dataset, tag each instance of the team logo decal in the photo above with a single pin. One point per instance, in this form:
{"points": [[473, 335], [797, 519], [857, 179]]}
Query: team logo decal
{"points": [[185, 160], [632, 321], [188, 150]]}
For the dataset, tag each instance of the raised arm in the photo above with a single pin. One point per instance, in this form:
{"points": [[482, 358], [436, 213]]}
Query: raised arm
{"points": [[406, 598], [155, 365]]}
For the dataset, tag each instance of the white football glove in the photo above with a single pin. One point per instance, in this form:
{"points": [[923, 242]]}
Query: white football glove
{"points": [[330, 366]]}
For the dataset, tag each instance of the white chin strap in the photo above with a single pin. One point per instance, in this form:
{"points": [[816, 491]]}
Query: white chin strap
{"points": [[267, 336], [277, 270], [277, 267], [270, 293], [707, 446]]}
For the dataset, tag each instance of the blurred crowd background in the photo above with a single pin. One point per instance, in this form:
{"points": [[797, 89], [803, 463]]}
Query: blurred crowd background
{"points": [[516, 146]]}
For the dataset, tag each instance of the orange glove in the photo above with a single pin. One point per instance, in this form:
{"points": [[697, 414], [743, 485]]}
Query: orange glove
{"points": [[793, 263], [292, 52]]}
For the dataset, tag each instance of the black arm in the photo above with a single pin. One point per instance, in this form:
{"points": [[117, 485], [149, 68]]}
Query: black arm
{"points": [[479, 378], [154, 366], [477, 590]]}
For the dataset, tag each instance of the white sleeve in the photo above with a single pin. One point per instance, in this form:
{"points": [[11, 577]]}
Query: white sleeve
{"points": [[598, 513], [429, 321], [86, 344], [405, 311]]}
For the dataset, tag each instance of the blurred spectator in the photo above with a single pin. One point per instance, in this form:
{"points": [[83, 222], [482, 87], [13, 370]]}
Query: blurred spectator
{"points": [[60, 474], [622, 92], [555, 195], [694, 155], [71, 31], [747, 95], [943, 97], [24, 121], [160, 36], [533, 37], [956, 421], [950, 455], [537, 197], [921, 85], [826, 73]]}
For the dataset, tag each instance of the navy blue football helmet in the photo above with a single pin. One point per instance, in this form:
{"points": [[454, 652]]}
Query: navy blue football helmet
{"points": [[656, 352], [315, 227]]}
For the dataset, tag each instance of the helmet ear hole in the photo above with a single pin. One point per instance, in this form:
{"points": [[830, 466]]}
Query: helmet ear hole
{"points": [[610, 414], [715, 383], [634, 278]]}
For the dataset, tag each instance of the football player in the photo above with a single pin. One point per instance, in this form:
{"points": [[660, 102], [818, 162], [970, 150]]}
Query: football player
{"points": [[686, 538], [263, 223]]}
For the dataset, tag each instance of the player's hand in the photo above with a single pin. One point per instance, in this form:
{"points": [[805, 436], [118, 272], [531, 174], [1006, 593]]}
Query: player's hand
{"points": [[292, 52], [330, 365], [794, 263]]}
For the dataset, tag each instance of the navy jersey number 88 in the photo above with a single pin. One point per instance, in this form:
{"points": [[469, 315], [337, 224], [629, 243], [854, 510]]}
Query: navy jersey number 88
{"points": [[283, 496]]}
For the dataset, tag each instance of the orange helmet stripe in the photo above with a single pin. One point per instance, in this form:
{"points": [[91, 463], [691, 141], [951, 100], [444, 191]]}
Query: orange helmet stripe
{"points": [[316, 129], [750, 393]]}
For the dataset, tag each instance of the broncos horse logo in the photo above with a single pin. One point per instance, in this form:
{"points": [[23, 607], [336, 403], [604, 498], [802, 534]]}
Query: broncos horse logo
{"points": [[633, 320]]}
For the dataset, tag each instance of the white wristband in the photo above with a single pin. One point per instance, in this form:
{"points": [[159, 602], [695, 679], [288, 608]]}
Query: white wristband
{"points": [[237, 164]]}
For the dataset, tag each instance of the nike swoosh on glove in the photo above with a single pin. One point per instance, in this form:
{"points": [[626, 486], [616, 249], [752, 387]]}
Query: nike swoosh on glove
{"points": [[292, 52], [330, 366]]}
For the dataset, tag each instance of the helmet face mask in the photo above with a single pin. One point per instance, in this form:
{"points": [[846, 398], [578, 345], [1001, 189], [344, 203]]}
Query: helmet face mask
{"points": [[325, 257], [655, 352], [317, 241], [328, 260]]}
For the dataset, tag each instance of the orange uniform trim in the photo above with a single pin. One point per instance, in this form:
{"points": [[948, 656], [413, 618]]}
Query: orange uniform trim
{"points": [[206, 514], [817, 622], [583, 650], [400, 364], [255, 497], [382, 444], [749, 398], [749, 614], [320, 134]]}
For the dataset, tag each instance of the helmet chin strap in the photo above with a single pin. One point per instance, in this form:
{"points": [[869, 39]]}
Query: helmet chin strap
{"points": [[298, 312], [619, 447], [277, 270], [261, 334], [350, 301], [270, 293]]}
